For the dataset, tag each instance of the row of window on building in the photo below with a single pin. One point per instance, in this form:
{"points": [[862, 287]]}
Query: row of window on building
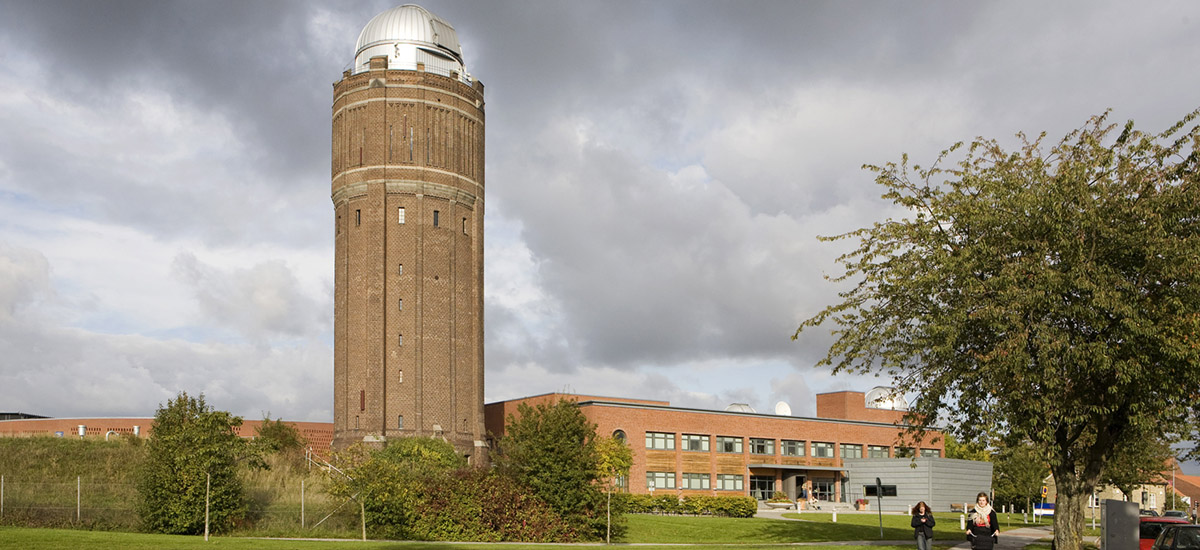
{"points": [[787, 447]]}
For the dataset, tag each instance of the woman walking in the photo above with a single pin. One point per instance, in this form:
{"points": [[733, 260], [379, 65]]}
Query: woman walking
{"points": [[982, 525], [922, 522]]}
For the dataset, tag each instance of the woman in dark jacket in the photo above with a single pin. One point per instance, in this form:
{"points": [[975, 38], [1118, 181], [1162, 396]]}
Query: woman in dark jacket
{"points": [[922, 522], [982, 525]]}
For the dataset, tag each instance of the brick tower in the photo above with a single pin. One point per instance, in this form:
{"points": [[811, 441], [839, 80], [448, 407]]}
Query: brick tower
{"points": [[407, 191]]}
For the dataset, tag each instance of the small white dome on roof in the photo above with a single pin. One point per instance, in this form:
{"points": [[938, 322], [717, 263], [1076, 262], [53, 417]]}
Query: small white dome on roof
{"points": [[883, 397], [740, 407], [408, 35]]}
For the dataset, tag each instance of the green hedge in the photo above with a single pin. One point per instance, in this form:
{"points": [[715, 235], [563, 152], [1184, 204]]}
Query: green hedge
{"points": [[700, 505]]}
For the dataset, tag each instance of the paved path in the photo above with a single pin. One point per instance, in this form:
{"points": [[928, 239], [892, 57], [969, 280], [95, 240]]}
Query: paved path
{"points": [[1014, 538]]}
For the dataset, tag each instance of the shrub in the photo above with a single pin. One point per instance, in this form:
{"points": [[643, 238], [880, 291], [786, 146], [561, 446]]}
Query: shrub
{"points": [[190, 442]]}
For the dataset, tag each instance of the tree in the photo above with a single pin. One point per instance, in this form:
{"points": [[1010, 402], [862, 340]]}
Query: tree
{"points": [[1018, 473], [277, 436], [1053, 295], [189, 442], [615, 459], [552, 449], [1138, 465], [970, 450], [391, 483]]}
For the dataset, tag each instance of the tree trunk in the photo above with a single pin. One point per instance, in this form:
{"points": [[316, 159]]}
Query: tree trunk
{"points": [[1069, 505]]}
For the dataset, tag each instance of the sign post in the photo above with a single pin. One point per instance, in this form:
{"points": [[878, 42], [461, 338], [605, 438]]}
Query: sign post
{"points": [[879, 499]]}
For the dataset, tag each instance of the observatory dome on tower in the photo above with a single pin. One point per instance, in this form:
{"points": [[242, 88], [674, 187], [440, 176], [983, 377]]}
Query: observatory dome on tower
{"points": [[409, 35]]}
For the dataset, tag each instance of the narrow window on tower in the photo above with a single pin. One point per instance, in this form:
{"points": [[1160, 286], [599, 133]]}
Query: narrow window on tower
{"points": [[464, 226], [400, 305], [435, 218], [391, 134], [339, 224], [400, 375], [358, 217], [399, 339], [356, 421], [399, 269], [400, 215], [362, 400], [400, 422]]}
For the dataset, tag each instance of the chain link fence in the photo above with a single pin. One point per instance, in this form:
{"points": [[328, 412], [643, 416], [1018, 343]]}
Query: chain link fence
{"points": [[279, 505]]}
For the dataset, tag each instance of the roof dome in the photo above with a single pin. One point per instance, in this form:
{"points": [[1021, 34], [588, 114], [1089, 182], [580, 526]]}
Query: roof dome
{"points": [[408, 35]]}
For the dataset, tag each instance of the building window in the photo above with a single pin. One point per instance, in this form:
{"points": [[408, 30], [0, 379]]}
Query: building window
{"points": [[619, 435], [399, 339], [696, 481], [659, 440], [400, 375], [435, 217], [358, 217], [693, 442], [400, 215], [362, 401], [622, 483], [822, 450], [399, 269], [931, 453], [851, 451], [877, 451], [464, 226], [759, 446], [660, 480], [729, 444], [729, 482], [400, 422], [904, 452], [822, 489], [400, 304], [762, 487], [792, 447]]}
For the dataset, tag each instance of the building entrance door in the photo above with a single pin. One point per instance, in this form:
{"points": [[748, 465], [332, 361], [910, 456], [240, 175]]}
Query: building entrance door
{"points": [[823, 489], [762, 487]]}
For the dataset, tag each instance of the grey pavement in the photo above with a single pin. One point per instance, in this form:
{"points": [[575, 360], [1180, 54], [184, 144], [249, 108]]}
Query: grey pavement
{"points": [[1014, 538]]}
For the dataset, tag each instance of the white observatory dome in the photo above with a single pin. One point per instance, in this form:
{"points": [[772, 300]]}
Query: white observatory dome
{"points": [[883, 397], [409, 35]]}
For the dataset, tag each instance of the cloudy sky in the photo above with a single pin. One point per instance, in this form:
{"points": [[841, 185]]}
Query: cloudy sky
{"points": [[657, 175]]}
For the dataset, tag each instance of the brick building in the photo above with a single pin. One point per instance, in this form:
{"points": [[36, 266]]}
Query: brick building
{"points": [[697, 451], [407, 188]]}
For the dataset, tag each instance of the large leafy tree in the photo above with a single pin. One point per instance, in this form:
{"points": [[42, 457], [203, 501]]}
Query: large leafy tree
{"points": [[552, 449], [189, 442], [1050, 293]]}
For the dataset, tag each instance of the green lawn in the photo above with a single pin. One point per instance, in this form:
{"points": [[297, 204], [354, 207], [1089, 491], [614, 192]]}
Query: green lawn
{"points": [[714, 533]]}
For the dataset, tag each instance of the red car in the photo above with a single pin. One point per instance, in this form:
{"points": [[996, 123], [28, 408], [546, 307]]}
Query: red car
{"points": [[1150, 528]]}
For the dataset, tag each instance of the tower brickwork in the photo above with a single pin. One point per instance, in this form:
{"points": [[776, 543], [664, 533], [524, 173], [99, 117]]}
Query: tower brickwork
{"points": [[407, 188]]}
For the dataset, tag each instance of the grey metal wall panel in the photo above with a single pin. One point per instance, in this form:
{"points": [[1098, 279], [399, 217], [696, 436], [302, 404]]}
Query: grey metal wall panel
{"points": [[937, 481]]}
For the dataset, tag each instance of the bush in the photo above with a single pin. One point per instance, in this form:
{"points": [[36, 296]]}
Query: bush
{"points": [[190, 442], [701, 505]]}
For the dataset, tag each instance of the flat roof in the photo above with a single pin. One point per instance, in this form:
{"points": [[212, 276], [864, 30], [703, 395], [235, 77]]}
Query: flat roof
{"points": [[735, 413]]}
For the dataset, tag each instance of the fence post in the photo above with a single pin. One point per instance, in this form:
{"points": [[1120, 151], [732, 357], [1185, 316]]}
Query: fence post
{"points": [[302, 504], [363, 508], [207, 486], [78, 497], [1, 496]]}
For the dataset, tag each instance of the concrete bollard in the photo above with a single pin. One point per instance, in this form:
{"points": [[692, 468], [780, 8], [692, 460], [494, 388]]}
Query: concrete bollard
{"points": [[962, 522], [835, 516]]}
